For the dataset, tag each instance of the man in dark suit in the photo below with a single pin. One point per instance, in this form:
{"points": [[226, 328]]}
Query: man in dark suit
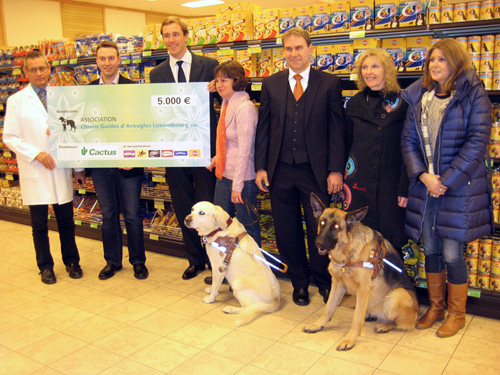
{"points": [[299, 149], [118, 185], [188, 185]]}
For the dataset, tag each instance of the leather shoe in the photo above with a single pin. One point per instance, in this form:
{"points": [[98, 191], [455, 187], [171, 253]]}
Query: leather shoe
{"points": [[74, 270], [192, 271], [140, 271], [48, 276], [109, 271], [301, 297], [325, 293]]}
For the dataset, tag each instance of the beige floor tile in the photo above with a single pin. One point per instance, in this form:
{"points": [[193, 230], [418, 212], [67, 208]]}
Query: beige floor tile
{"points": [[36, 286], [64, 317], [391, 337], [252, 370], [101, 301], [208, 364], [290, 310], [217, 316], [407, 361], [458, 367], [428, 341], [127, 367], [127, 341], [25, 334], [366, 351], [162, 322], [73, 294], [286, 360], [7, 288], [330, 365], [199, 334], [160, 297], [15, 298], [90, 360], [92, 280], [319, 342], [128, 312], [10, 320], [196, 284], [192, 306], [341, 319], [159, 276], [240, 346], [52, 348], [164, 355], [131, 289], [94, 329], [383, 372], [38, 307], [270, 326], [4, 351], [484, 328], [481, 352], [47, 371], [17, 364]]}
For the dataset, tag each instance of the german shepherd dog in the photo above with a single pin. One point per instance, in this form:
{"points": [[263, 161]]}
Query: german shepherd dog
{"points": [[357, 267]]}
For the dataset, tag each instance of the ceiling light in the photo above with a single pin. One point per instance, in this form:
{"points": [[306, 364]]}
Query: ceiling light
{"points": [[202, 3]]}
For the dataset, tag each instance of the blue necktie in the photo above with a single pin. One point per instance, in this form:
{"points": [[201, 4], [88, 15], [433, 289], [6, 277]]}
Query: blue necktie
{"points": [[180, 75], [42, 94]]}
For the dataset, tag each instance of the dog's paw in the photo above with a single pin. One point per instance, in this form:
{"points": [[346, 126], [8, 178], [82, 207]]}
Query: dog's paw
{"points": [[208, 299], [312, 328], [384, 327], [208, 290], [346, 344]]}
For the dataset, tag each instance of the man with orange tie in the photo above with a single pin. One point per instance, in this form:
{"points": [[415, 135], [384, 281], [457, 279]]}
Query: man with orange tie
{"points": [[299, 149]]}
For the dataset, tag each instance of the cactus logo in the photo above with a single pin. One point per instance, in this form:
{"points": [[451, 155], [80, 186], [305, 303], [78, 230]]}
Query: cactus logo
{"points": [[84, 151], [99, 152]]}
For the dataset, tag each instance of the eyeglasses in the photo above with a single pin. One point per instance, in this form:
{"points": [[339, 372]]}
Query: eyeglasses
{"points": [[41, 69]]}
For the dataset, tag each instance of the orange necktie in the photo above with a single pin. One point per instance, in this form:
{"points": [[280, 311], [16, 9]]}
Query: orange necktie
{"points": [[220, 149], [298, 90]]}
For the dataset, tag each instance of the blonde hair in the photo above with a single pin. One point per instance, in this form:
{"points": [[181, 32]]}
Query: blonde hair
{"points": [[458, 61], [391, 73]]}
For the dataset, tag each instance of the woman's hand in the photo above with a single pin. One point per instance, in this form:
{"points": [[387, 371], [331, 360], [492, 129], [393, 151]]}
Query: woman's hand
{"points": [[433, 184], [236, 197], [402, 201], [212, 164]]}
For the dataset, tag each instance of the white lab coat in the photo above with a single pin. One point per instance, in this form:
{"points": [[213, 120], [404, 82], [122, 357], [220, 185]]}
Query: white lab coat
{"points": [[24, 133]]}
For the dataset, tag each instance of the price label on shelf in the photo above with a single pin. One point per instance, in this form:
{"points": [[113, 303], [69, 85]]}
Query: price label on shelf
{"points": [[73, 61], [357, 34], [1, 107], [94, 225], [147, 53], [159, 178], [254, 48], [279, 41], [7, 154], [125, 59], [197, 51], [55, 63], [82, 191], [154, 237], [353, 77], [256, 86], [159, 204], [16, 72], [225, 51], [124, 231], [64, 62], [9, 176], [78, 222]]}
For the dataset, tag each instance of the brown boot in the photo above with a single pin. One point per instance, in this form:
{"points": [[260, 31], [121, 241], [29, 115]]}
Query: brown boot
{"points": [[457, 298], [436, 287]]}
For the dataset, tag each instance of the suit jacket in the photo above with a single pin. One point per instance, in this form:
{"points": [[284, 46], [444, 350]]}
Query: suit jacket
{"points": [[134, 172], [24, 133], [324, 124], [202, 70]]}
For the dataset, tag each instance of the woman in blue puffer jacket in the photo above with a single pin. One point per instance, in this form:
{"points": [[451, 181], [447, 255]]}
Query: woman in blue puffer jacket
{"points": [[444, 143]]}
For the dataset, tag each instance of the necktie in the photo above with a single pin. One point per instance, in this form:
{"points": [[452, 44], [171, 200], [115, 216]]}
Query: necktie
{"points": [[220, 149], [180, 74], [42, 94], [298, 90]]}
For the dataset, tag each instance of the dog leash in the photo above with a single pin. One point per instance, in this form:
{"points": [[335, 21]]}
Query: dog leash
{"points": [[219, 245]]}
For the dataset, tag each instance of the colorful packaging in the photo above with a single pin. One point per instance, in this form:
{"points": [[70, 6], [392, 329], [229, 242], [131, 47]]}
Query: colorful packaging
{"points": [[286, 20], [199, 31], [486, 10], [412, 13], [211, 30], [362, 15], [488, 44], [343, 55], [265, 63], [320, 18], [325, 56], [303, 18], [224, 29], [159, 42], [271, 23], [363, 44], [386, 14], [473, 10], [242, 23], [340, 17], [396, 47], [416, 50], [447, 13], [460, 12], [434, 14], [248, 61], [258, 25], [279, 60], [190, 27]]}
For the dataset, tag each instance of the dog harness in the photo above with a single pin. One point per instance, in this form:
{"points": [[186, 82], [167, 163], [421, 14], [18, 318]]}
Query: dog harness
{"points": [[229, 243]]}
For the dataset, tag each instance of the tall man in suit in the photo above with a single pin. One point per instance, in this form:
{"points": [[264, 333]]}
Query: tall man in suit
{"points": [[42, 183], [188, 185], [299, 149], [117, 187]]}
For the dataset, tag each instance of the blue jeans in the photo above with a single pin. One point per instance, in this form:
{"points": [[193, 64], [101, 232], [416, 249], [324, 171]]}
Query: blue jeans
{"points": [[441, 252], [112, 188], [222, 197]]}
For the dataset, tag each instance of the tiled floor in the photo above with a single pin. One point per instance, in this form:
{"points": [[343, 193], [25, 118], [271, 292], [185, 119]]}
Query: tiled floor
{"points": [[160, 326]]}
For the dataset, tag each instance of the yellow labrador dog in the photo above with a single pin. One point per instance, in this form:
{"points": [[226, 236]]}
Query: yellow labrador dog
{"points": [[254, 284]]}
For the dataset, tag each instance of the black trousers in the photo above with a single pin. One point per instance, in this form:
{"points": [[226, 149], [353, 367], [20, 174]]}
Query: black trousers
{"points": [[188, 186], [291, 188], [66, 228]]}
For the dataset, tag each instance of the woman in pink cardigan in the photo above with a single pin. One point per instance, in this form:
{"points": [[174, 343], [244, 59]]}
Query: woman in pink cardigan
{"points": [[234, 159]]}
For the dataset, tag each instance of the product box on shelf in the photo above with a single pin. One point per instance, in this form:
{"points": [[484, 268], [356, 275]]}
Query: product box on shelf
{"points": [[211, 30], [224, 27], [286, 20], [159, 42], [412, 13], [190, 27], [362, 15], [265, 63], [343, 58], [363, 44], [271, 23], [487, 10], [248, 61], [386, 14], [340, 17], [258, 25], [279, 61], [396, 47], [149, 37], [416, 51], [473, 10], [303, 18], [434, 13], [320, 18], [460, 12], [199, 31], [242, 23], [325, 61]]}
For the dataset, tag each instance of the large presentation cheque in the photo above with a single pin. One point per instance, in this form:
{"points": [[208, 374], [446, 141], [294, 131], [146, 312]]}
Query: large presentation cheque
{"points": [[151, 125]]}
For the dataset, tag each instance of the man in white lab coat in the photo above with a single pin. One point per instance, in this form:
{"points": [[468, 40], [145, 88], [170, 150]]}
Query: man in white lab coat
{"points": [[42, 183]]}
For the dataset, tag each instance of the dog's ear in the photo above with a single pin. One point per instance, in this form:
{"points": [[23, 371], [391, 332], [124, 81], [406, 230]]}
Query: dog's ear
{"points": [[317, 205], [354, 217], [221, 217]]}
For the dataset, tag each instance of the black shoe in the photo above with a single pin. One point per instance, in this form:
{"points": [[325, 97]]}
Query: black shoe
{"points": [[325, 293], [140, 271], [74, 270], [301, 297], [208, 280], [109, 271], [192, 271], [48, 276]]}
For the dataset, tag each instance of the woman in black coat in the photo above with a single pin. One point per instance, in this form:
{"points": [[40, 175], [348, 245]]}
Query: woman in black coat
{"points": [[375, 172]]}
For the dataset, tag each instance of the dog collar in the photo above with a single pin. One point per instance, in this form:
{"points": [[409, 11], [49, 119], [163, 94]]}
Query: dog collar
{"points": [[377, 256], [229, 244], [228, 222]]}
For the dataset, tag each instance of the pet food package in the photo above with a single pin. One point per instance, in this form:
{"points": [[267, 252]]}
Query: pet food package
{"points": [[343, 58], [199, 31], [396, 47], [279, 60], [190, 27], [363, 44], [325, 58], [412, 13], [248, 61], [386, 14], [265, 63], [242, 23], [258, 25], [303, 18], [320, 18], [340, 17], [286, 20], [149, 37], [416, 50], [224, 28], [271, 23], [362, 15], [211, 30], [460, 12]]}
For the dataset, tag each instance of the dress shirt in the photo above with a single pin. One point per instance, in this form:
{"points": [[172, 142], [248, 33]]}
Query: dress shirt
{"points": [[186, 65], [114, 82], [304, 80]]}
